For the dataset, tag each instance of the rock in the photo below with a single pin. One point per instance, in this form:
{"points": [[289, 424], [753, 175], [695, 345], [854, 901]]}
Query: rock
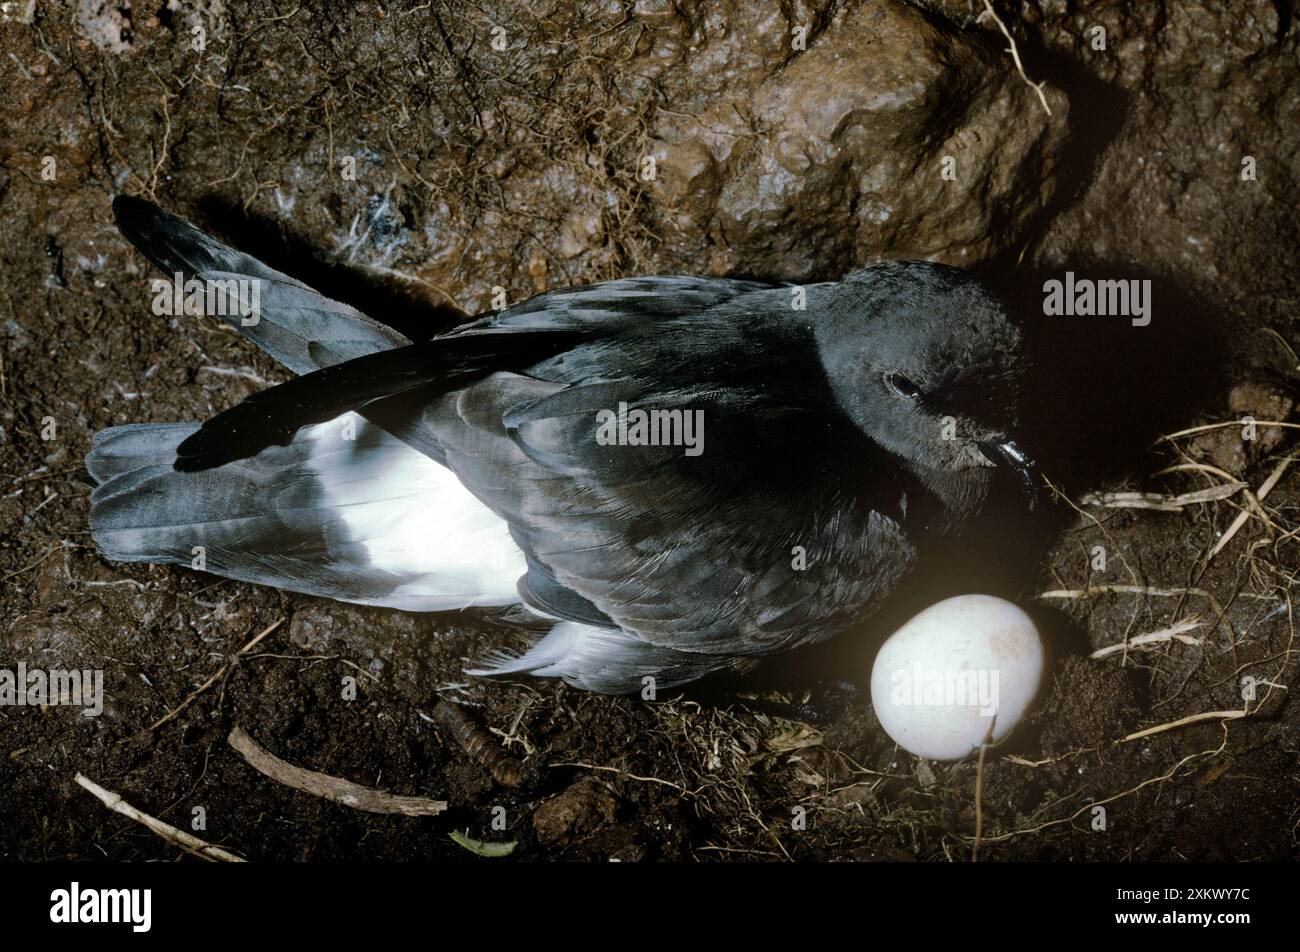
{"points": [[1189, 91], [1262, 401], [579, 232], [107, 25], [835, 159], [582, 809], [1227, 448]]}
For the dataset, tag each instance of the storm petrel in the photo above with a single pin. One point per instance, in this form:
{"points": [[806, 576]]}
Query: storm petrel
{"points": [[681, 474]]}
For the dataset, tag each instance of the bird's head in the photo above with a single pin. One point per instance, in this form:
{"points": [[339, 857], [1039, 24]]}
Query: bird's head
{"points": [[928, 364]]}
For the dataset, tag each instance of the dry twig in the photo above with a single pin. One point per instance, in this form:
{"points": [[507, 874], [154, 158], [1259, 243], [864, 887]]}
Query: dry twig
{"points": [[1184, 721], [346, 792], [1172, 633], [1015, 54], [216, 677], [1160, 501], [1265, 488], [186, 841]]}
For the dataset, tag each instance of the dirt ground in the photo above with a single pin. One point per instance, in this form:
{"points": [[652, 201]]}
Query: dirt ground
{"points": [[477, 170]]}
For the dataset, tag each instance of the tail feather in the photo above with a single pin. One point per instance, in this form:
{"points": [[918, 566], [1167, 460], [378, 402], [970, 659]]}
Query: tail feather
{"points": [[345, 510], [124, 449], [366, 520]]}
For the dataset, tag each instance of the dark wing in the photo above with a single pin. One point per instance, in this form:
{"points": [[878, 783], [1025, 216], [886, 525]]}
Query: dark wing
{"points": [[613, 305], [518, 337], [299, 326], [760, 543], [273, 416]]}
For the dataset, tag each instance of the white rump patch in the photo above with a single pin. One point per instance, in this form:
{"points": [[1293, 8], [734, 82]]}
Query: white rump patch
{"points": [[414, 517]]}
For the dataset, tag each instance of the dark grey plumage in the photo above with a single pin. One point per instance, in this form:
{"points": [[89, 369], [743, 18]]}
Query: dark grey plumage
{"points": [[833, 436]]}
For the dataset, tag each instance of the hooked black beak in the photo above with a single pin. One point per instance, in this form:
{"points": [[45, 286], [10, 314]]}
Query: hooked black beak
{"points": [[1003, 451]]}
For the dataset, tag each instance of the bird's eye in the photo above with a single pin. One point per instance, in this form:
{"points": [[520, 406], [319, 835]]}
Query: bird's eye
{"points": [[902, 386]]}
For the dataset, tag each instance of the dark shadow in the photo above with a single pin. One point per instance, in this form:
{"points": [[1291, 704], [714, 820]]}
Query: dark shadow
{"points": [[1101, 390], [1098, 111], [392, 302]]}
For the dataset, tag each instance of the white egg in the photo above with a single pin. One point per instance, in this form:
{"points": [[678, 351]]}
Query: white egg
{"points": [[964, 670]]}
